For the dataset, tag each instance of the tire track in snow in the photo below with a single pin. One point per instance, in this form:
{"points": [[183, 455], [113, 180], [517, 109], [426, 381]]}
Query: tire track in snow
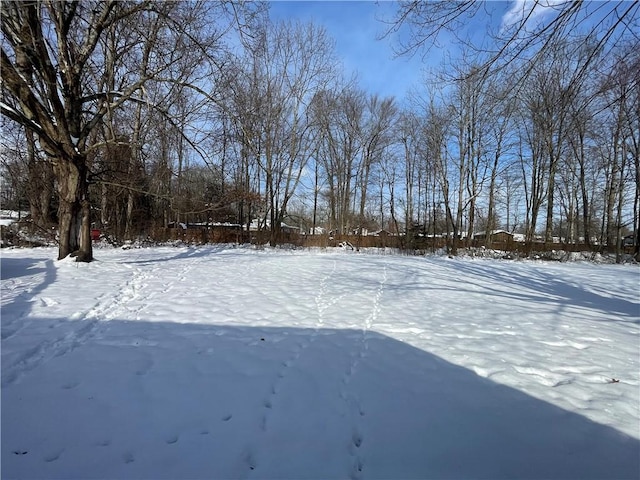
{"points": [[349, 395]]}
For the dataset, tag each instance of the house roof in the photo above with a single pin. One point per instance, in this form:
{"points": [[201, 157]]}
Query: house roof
{"points": [[493, 232]]}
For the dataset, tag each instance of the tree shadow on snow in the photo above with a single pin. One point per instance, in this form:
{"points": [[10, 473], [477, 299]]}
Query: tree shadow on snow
{"points": [[478, 279], [124, 399], [11, 268], [16, 307], [556, 290], [189, 252]]}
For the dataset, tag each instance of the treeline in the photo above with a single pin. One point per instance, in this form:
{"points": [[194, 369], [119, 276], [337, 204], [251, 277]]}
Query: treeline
{"points": [[134, 116]]}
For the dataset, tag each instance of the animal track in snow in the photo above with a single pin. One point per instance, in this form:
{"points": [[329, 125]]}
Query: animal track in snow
{"points": [[356, 472], [352, 399], [48, 302], [357, 439], [89, 324], [321, 303], [46, 351], [249, 460], [53, 456]]}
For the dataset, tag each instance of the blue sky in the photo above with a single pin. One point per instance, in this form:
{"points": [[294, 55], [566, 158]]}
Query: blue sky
{"points": [[354, 25]]}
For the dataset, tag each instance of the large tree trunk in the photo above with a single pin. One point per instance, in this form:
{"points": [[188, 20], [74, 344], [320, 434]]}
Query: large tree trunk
{"points": [[275, 236], [74, 212], [39, 187]]}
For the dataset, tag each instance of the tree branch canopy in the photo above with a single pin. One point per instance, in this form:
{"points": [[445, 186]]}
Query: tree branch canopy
{"points": [[49, 55], [527, 29]]}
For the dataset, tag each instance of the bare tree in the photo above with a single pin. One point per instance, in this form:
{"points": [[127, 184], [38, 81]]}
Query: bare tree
{"points": [[376, 136], [339, 118], [438, 124], [409, 132], [27, 177], [501, 115], [284, 68], [527, 28], [46, 58], [622, 93], [61, 77]]}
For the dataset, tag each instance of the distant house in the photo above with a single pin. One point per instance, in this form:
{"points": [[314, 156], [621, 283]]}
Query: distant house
{"points": [[289, 228], [629, 240], [380, 233], [496, 236], [461, 235], [257, 224], [7, 217], [213, 226], [180, 225]]}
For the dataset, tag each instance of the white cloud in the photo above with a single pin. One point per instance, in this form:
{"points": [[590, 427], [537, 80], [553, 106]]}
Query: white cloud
{"points": [[532, 10]]}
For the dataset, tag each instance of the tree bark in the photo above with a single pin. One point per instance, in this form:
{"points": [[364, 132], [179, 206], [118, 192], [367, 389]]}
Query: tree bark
{"points": [[74, 212]]}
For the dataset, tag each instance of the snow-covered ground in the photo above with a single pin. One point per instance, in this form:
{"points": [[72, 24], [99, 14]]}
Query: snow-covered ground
{"points": [[216, 362], [7, 217]]}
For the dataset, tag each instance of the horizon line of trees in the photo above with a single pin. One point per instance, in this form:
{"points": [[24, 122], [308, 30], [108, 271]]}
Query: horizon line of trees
{"points": [[130, 116]]}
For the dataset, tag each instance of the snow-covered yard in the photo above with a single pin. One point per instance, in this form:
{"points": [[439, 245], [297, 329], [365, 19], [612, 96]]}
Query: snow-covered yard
{"points": [[217, 362]]}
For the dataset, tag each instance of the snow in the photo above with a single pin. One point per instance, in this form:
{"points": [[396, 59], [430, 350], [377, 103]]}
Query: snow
{"points": [[8, 217], [220, 362], [13, 214]]}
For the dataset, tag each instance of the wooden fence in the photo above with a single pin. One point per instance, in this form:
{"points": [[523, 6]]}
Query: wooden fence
{"points": [[233, 234]]}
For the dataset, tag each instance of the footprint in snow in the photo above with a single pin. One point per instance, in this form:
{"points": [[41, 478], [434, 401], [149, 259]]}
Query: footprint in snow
{"points": [[357, 470], [53, 456], [128, 457], [263, 423], [249, 458], [172, 439], [227, 417], [357, 439], [144, 367], [48, 302]]}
